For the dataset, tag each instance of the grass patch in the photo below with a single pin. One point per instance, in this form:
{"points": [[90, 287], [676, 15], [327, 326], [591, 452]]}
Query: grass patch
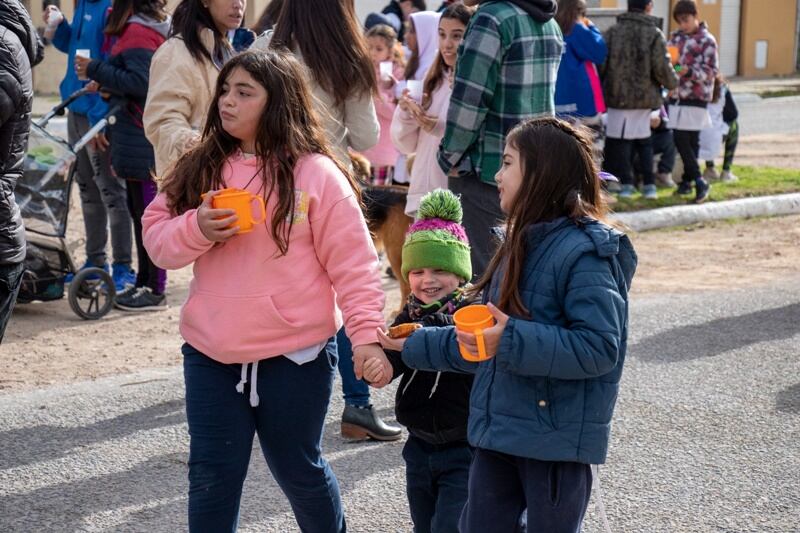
{"points": [[753, 181], [792, 91]]}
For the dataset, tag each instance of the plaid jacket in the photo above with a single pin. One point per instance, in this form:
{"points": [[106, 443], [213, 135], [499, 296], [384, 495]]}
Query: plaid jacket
{"points": [[506, 72]]}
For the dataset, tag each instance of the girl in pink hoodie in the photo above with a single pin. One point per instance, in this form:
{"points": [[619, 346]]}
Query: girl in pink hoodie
{"points": [[382, 42], [263, 307], [418, 127]]}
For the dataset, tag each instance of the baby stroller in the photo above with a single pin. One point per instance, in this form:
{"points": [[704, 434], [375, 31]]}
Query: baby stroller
{"points": [[43, 195]]}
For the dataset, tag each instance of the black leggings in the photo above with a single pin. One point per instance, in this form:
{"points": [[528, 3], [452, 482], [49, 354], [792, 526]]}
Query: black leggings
{"points": [[688, 145]]}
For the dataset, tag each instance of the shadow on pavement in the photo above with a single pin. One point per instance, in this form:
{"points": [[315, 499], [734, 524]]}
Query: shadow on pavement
{"points": [[695, 341], [44, 443], [788, 400]]}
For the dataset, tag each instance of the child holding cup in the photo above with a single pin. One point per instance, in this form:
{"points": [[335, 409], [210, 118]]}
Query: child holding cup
{"points": [[541, 404], [382, 40], [262, 316], [433, 405]]}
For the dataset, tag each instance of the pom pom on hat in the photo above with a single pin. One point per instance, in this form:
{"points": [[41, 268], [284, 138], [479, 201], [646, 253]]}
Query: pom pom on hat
{"points": [[437, 239]]}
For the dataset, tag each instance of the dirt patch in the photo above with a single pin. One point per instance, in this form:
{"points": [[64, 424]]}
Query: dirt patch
{"points": [[46, 343], [780, 151]]}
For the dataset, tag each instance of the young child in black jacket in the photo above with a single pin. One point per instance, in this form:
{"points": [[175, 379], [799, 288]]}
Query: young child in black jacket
{"points": [[434, 406]]}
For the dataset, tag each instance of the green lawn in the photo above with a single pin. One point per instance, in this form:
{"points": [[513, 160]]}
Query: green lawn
{"points": [[753, 181]]}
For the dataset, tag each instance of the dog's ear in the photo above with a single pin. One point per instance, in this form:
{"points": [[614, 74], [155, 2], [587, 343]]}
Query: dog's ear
{"points": [[361, 167]]}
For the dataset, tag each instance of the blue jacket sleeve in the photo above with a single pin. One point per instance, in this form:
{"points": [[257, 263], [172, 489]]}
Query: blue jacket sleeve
{"points": [[98, 109], [436, 349], [131, 80], [588, 44], [62, 36], [596, 314]]}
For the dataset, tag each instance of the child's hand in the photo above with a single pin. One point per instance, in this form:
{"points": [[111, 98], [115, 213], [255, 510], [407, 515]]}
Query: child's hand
{"points": [[374, 370], [364, 353], [387, 83], [390, 344], [214, 222], [405, 101], [491, 336]]}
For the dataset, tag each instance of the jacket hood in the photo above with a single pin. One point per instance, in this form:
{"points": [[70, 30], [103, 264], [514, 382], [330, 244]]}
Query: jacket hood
{"points": [[162, 27], [641, 18], [611, 242], [15, 17], [608, 241], [426, 26], [539, 10]]}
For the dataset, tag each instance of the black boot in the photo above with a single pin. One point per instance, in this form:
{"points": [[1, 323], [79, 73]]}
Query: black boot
{"points": [[360, 423]]}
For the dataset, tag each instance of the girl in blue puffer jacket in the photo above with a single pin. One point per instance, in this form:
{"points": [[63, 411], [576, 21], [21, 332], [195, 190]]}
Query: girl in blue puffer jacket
{"points": [[541, 406]]}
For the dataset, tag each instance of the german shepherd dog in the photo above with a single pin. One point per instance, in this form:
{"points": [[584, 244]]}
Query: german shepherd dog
{"points": [[384, 210]]}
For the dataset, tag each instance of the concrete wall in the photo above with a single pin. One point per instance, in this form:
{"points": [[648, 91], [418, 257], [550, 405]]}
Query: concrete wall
{"points": [[773, 21]]}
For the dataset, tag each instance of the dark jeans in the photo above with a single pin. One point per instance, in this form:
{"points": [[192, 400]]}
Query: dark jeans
{"points": [[501, 486], [355, 391], [289, 420], [618, 159], [10, 281], [688, 145], [103, 200], [140, 194], [481, 205], [436, 484], [664, 144]]}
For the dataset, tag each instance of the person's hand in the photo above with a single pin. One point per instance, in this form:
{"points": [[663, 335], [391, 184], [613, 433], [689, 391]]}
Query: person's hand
{"points": [[655, 122], [386, 83], [92, 87], [52, 12], [81, 64], [374, 370], [426, 122], [491, 336], [214, 222], [405, 101], [389, 343], [364, 352], [99, 142]]}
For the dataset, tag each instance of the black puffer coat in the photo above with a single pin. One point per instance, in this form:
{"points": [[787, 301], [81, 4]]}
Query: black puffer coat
{"points": [[20, 49]]}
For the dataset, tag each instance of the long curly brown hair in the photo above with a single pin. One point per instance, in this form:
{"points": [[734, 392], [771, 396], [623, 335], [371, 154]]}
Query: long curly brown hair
{"points": [[288, 130]]}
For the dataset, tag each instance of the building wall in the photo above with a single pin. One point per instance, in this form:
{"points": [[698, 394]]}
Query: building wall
{"points": [[773, 21]]}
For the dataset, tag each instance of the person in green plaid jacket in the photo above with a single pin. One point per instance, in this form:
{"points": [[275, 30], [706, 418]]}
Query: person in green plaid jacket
{"points": [[505, 73]]}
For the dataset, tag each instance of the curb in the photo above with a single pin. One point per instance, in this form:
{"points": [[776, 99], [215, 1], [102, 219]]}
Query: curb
{"points": [[684, 215]]}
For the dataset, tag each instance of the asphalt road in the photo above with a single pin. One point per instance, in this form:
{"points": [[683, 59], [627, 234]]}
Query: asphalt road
{"points": [[706, 437]]}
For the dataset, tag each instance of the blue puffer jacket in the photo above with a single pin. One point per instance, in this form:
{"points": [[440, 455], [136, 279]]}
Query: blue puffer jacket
{"points": [[86, 31], [550, 391], [578, 88]]}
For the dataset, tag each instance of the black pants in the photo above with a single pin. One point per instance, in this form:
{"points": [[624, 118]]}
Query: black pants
{"points": [[10, 281], [501, 486], [618, 159], [436, 484], [481, 204], [140, 194], [688, 145]]}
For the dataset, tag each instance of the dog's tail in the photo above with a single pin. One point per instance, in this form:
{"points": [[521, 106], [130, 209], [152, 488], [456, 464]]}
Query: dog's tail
{"points": [[379, 200]]}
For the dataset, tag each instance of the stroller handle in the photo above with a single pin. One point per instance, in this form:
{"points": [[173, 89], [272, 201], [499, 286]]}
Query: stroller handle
{"points": [[59, 109]]}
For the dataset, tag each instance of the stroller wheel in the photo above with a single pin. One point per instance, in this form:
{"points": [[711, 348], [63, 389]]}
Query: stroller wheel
{"points": [[91, 293]]}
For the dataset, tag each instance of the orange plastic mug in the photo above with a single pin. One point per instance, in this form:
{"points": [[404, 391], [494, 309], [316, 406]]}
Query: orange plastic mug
{"points": [[241, 202], [474, 319], [674, 54]]}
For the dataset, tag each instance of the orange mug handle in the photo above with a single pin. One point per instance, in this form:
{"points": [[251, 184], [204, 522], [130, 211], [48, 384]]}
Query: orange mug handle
{"points": [[262, 210], [481, 344]]}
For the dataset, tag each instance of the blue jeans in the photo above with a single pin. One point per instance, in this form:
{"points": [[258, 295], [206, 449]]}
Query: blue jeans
{"points": [[436, 484], [10, 282], [355, 391], [289, 420], [501, 486]]}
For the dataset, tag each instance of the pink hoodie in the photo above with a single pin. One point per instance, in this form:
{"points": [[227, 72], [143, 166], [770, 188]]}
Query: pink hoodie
{"points": [[384, 153], [246, 302]]}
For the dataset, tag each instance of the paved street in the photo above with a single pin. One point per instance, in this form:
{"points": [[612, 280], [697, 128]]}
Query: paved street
{"points": [[706, 437]]}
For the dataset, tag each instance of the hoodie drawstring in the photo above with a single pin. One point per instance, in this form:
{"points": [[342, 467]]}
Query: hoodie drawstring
{"points": [[409, 382], [435, 384], [254, 400]]}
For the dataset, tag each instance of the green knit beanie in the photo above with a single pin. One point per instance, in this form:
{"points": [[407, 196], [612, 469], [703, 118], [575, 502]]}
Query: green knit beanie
{"points": [[437, 239]]}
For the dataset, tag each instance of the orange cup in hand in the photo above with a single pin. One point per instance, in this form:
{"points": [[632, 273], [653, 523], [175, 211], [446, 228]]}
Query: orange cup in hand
{"points": [[674, 54], [241, 202], [474, 319]]}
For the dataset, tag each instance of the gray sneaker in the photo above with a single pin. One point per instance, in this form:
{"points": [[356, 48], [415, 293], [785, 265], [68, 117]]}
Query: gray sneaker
{"points": [[710, 174], [142, 300], [649, 192], [728, 177], [664, 180], [627, 191]]}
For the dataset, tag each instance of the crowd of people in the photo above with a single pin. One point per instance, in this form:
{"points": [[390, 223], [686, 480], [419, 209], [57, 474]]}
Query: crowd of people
{"points": [[496, 116]]}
